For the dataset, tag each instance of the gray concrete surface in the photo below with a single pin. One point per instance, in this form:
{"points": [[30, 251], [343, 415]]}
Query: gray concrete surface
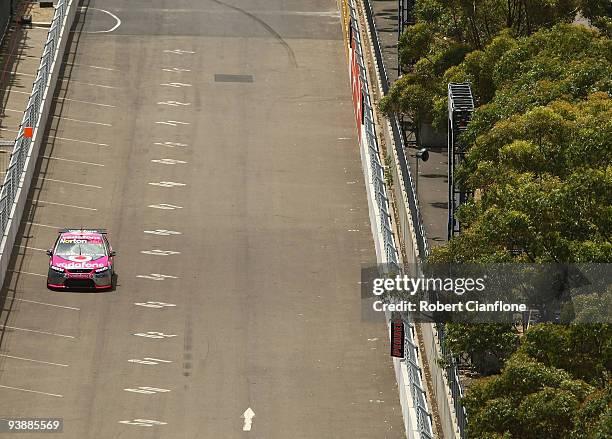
{"points": [[260, 303], [17, 73]]}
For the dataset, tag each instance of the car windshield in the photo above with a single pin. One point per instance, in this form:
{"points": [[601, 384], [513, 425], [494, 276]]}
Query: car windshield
{"points": [[88, 248]]}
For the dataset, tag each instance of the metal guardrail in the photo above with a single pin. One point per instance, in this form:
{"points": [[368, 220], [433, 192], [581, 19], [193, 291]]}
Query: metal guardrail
{"points": [[398, 140], [422, 245], [416, 384], [30, 117], [423, 417], [452, 376], [376, 167]]}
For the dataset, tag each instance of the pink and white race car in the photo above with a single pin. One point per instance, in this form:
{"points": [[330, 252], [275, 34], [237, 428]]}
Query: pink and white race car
{"points": [[81, 258]]}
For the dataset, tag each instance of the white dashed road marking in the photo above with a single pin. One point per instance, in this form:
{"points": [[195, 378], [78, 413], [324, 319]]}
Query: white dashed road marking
{"points": [[62, 204], [43, 225], [48, 157], [32, 391], [157, 305], [174, 103], [147, 390], [33, 361], [169, 161], [83, 121], [91, 67], [47, 304], [86, 102], [164, 206], [179, 51], [170, 144], [70, 182], [176, 70], [31, 248], [63, 138], [143, 422], [27, 272], [156, 276], [37, 331], [149, 361], [162, 232], [154, 334], [89, 83], [175, 84], [158, 252], [173, 123], [167, 184]]}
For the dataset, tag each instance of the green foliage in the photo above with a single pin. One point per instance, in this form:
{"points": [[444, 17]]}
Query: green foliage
{"points": [[414, 94], [585, 351], [594, 418], [539, 161], [547, 413], [563, 63], [487, 344], [592, 308], [599, 13], [544, 179], [527, 400]]}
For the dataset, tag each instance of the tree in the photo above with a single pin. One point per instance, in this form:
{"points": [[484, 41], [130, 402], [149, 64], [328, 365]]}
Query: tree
{"points": [[566, 62], [593, 419], [528, 400], [545, 181], [488, 345], [585, 351]]}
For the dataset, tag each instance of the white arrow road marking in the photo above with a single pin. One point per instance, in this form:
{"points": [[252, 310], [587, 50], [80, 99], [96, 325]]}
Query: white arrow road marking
{"points": [[176, 84], [162, 232], [170, 144], [147, 390], [156, 276], [176, 70], [143, 422], [153, 334], [154, 304], [248, 416], [179, 51], [173, 123], [158, 252], [169, 161], [164, 206], [149, 361], [167, 184], [174, 103]]}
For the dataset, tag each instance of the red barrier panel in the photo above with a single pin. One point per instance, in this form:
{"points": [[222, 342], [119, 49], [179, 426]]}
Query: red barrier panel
{"points": [[357, 92]]}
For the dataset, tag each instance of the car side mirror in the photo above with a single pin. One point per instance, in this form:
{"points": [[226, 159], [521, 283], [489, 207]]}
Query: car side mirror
{"points": [[112, 253], [49, 252]]}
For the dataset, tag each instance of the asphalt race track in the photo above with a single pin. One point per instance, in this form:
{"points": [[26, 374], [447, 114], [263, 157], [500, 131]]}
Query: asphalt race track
{"points": [[215, 140]]}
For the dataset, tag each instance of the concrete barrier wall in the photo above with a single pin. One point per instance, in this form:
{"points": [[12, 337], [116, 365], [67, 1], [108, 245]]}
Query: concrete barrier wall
{"points": [[440, 385], [417, 422], [16, 211], [414, 249]]}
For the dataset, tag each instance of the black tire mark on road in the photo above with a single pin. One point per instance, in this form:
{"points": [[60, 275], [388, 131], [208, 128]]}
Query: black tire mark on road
{"points": [[266, 26]]}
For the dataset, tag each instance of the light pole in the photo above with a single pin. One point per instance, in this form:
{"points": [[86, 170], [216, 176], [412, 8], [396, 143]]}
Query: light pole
{"points": [[421, 154]]}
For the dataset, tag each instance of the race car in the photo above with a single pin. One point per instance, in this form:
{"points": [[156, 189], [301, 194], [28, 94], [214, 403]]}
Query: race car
{"points": [[81, 258]]}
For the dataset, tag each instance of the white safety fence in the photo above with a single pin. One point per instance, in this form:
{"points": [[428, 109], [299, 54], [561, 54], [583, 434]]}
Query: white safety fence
{"points": [[25, 150], [417, 419]]}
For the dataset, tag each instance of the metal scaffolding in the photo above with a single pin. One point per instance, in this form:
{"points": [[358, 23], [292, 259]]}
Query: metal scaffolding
{"points": [[460, 109]]}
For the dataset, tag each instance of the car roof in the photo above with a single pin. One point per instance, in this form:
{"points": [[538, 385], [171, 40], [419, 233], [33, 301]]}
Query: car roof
{"points": [[84, 234], [83, 231]]}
